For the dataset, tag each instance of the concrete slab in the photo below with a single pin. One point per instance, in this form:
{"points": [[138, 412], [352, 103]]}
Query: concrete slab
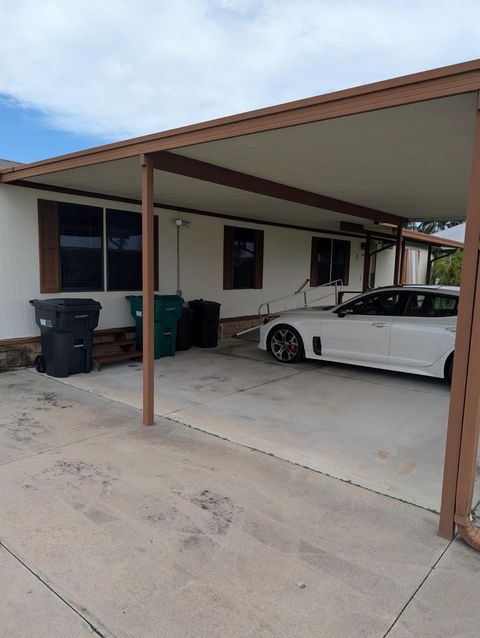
{"points": [[384, 431], [447, 603], [386, 437], [167, 531], [38, 414], [28, 608], [190, 378]]}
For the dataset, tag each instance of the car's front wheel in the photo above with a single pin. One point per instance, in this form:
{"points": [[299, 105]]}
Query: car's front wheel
{"points": [[285, 344]]}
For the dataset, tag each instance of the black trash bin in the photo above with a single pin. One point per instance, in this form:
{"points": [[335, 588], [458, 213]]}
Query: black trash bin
{"points": [[206, 316], [66, 327], [184, 329]]}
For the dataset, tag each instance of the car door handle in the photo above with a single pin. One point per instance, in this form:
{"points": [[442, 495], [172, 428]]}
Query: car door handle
{"points": [[379, 324]]}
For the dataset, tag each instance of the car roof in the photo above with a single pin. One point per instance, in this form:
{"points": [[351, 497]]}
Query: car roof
{"points": [[453, 290]]}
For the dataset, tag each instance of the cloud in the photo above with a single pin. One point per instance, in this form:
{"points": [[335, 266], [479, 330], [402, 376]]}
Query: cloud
{"points": [[119, 68]]}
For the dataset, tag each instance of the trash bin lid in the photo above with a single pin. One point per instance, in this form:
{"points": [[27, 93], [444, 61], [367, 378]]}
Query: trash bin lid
{"points": [[169, 299], [66, 304], [203, 302]]}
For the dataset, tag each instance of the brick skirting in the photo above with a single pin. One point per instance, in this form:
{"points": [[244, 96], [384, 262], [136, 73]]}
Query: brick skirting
{"points": [[230, 327], [21, 353]]}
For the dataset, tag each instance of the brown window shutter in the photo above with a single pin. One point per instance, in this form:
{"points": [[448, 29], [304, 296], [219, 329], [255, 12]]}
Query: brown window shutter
{"points": [[228, 258], [155, 252], [259, 259], [48, 246]]}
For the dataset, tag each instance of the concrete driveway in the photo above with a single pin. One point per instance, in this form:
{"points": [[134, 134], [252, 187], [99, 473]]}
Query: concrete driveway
{"points": [[109, 528], [383, 431]]}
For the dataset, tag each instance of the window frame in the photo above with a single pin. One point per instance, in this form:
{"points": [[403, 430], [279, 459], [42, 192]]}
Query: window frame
{"points": [[228, 269], [315, 251]]}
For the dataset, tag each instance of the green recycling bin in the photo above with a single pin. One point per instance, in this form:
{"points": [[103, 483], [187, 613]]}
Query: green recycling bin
{"points": [[166, 313]]}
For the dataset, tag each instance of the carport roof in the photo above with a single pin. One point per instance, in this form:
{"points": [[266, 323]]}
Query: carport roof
{"points": [[387, 152]]}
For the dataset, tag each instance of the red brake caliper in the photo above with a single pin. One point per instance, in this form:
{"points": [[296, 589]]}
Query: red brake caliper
{"points": [[293, 347]]}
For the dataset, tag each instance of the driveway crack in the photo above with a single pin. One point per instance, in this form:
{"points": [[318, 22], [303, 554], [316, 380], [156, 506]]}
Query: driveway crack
{"points": [[103, 633], [432, 568]]}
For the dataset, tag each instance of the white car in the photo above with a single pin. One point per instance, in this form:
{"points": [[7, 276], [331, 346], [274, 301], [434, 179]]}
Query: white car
{"points": [[402, 328]]}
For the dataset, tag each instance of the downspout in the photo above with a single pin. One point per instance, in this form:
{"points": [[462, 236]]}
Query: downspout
{"points": [[179, 225], [468, 531]]}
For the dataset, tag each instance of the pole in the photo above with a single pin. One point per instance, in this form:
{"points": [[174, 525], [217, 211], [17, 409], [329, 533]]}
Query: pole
{"points": [[463, 418], [148, 288], [398, 256], [366, 264]]}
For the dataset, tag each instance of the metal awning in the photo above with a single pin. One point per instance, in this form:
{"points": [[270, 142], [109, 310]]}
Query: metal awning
{"points": [[385, 153]]}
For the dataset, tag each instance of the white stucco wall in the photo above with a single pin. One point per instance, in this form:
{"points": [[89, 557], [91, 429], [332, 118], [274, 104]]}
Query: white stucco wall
{"points": [[385, 266], [286, 262]]}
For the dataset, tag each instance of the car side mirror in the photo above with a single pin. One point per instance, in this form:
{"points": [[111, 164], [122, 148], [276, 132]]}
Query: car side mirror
{"points": [[344, 313]]}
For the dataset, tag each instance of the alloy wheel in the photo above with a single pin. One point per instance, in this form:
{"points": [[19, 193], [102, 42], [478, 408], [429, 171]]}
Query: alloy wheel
{"points": [[284, 345]]}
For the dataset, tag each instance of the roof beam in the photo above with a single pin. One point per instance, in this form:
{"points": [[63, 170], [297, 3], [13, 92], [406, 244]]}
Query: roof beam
{"points": [[196, 169]]}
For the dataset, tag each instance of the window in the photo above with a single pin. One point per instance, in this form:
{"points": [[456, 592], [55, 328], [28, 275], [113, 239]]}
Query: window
{"points": [[243, 258], [80, 232], [124, 250], [71, 254], [330, 260], [428, 305], [383, 304]]}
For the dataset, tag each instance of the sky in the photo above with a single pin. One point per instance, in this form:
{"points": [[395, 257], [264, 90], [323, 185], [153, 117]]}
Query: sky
{"points": [[79, 73]]}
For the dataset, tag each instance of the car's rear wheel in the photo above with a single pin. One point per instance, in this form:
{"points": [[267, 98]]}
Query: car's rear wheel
{"points": [[285, 344], [449, 369]]}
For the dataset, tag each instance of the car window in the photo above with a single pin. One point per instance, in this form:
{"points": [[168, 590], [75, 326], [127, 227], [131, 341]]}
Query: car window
{"points": [[383, 303], [431, 305]]}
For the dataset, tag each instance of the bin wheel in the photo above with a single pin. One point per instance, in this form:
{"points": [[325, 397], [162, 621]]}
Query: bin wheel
{"points": [[40, 364]]}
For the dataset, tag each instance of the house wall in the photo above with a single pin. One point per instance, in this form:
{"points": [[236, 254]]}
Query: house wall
{"points": [[384, 268], [286, 263]]}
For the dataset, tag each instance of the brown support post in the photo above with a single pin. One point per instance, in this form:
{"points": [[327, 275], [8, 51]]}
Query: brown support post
{"points": [[463, 419], [366, 264], [428, 276], [403, 263], [148, 286], [398, 256]]}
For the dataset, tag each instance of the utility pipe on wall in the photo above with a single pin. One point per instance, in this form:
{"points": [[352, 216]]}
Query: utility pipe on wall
{"points": [[180, 223]]}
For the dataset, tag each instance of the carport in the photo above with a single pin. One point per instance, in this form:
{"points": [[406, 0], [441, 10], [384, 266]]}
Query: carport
{"points": [[404, 149]]}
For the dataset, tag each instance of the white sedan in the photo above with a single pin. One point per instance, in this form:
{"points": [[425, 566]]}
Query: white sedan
{"points": [[401, 328]]}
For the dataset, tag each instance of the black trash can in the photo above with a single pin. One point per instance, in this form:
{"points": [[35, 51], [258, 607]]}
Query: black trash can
{"points": [[66, 327], [206, 317], [184, 329]]}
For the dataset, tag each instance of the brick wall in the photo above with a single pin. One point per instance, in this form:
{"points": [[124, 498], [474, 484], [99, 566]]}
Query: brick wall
{"points": [[19, 355], [230, 328]]}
